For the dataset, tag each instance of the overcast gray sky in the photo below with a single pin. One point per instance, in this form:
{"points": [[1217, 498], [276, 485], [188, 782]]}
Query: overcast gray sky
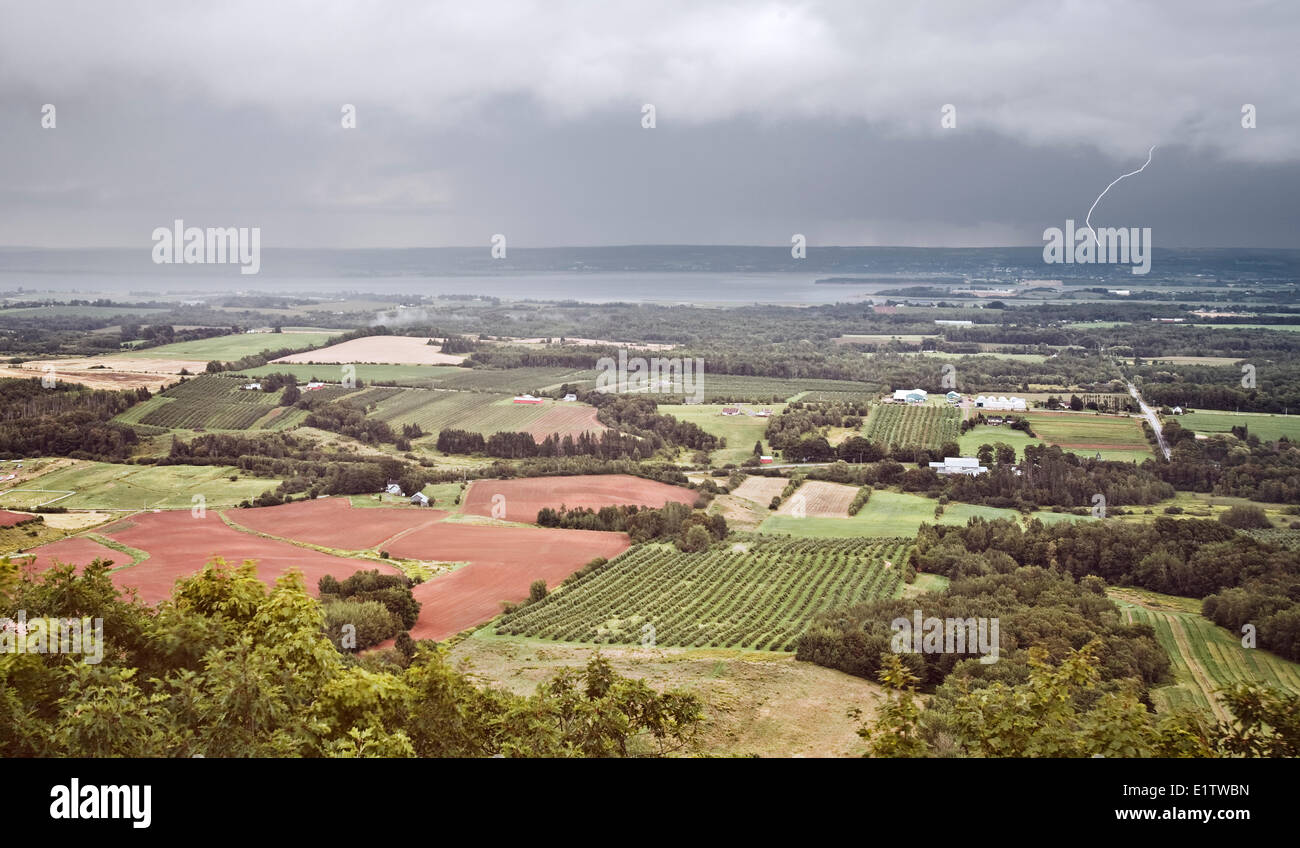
{"points": [[524, 118]]}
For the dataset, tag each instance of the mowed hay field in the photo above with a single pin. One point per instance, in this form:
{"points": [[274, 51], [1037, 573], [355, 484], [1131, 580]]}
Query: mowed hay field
{"points": [[1205, 658], [382, 350], [758, 594], [820, 498], [1270, 428], [1088, 430], [983, 434], [103, 485], [525, 496], [760, 490], [236, 346], [740, 431]]}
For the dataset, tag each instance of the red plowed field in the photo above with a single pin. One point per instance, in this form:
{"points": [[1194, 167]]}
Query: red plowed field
{"points": [[524, 497], [334, 522], [9, 519], [180, 545], [503, 562], [567, 420], [77, 551]]}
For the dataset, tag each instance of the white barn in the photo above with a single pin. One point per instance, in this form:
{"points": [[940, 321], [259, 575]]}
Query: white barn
{"points": [[968, 465], [1003, 403]]}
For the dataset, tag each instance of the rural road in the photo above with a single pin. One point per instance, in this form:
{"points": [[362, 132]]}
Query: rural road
{"points": [[1152, 418]]}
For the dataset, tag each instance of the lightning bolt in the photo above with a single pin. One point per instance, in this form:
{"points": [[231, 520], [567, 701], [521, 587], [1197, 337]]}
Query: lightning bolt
{"points": [[1087, 220]]}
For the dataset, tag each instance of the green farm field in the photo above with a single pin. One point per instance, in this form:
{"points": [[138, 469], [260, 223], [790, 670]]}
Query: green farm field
{"points": [[403, 375], [986, 435], [883, 338], [929, 425], [211, 402], [516, 380], [740, 431], [1088, 431], [983, 434], [66, 311], [1205, 657], [236, 346], [103, 485], [756, 593], [435, 410], [1268, 427], [726, 388], [892, 514]]}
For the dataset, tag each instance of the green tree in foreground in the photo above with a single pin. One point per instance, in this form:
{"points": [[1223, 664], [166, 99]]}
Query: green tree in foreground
{"points": [[229, 668], [1062, 711]]}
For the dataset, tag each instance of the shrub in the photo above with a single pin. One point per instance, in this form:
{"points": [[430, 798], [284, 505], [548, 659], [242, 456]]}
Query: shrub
{"points": [[1246, 517], [372, 620]]}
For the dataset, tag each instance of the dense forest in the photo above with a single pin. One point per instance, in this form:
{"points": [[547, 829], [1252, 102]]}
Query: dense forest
{"points": [[64, 420]]}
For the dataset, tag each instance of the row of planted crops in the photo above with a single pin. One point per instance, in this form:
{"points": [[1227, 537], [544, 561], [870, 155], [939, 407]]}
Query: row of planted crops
{"points": [[758, 592], [908, 426]]}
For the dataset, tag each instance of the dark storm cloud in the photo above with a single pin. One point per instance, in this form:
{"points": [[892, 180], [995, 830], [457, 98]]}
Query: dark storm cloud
{"points": [[525, 119]]}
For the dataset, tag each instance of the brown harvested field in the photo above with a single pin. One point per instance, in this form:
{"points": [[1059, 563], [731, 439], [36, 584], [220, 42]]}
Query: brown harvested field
{"points": [[179, 544], [760, 490], [381, 350], [566, 420], [72, 521], [770, 705], [77, 551], [97, 379], [114, 362], [9, 519], [820, 498], [503, 562], [524, 497], [741, 514], [334, 522]]}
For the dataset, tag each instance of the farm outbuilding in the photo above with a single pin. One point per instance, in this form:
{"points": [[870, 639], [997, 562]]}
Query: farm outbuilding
{"points": [[968, 465], [1003, 403]]}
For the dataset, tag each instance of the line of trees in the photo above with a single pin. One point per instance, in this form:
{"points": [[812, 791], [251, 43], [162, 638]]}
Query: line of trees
{"points": [[690, 530], [64, 420]]}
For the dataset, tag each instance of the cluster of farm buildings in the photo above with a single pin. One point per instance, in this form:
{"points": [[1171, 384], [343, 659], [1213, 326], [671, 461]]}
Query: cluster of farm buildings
{"points": [[919, 396]]}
